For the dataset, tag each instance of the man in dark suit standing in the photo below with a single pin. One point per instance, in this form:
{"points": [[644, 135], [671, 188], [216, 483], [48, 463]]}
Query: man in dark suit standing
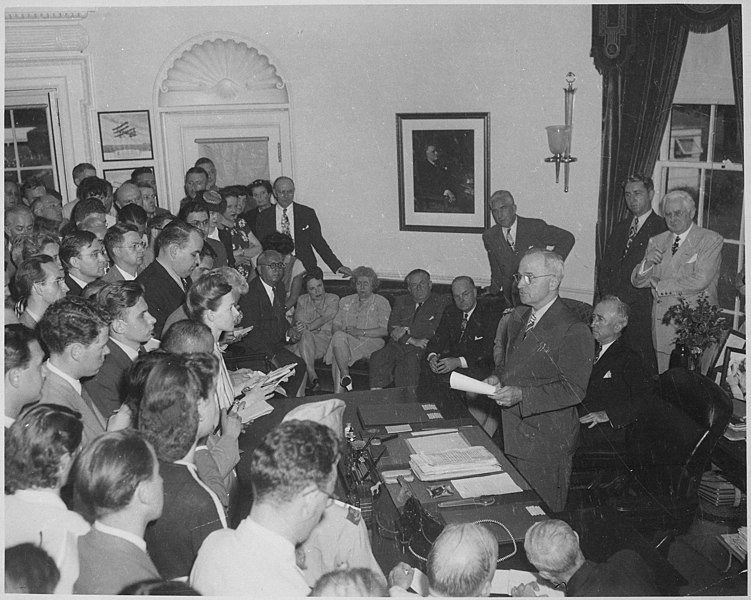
{"points": [[412, 323], [301, 223], [543, 362], [618, 386], [130, 327], [166, 280], [508, 240], [624, 250], [263, 310]]}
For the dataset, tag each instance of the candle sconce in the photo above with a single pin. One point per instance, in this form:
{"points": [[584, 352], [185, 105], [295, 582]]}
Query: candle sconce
{"points": [[559, 136]]}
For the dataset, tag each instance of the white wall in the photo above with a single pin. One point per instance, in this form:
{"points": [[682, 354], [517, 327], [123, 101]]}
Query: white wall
{"points": [[350, 69]]}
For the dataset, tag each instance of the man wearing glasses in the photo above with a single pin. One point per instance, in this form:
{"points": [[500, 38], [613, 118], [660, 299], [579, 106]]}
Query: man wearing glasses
{"points": [[543, 357], [126, 250], [263, 310], [84, 260], [293, 474]]}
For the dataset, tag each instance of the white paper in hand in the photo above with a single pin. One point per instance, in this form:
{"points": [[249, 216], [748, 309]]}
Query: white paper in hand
{"points": [[460, 382]]}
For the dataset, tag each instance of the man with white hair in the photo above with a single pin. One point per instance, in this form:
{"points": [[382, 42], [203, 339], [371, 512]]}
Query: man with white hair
{"points": [[683, 261], [553, 548]]}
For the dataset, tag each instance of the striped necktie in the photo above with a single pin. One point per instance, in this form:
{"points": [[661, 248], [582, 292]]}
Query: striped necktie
{"points": [[285, 222], [465, 320], [676, 243], [510, 239], [530, 324], [631, 234]]}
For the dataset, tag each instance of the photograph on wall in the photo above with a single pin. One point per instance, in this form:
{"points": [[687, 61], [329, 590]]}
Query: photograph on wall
{"points": [[734, 373], [443, 162], [125, 135]]}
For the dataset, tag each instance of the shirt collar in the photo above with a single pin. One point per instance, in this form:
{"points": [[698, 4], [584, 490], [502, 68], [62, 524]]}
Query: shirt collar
{"points": [[640, 220], [171, 273], [604, 347], [32, 314], [126, 276], [270, 292], [684, 235], [541, 312], [74, 383], [121, 533], [281, 208], [512, 229], [80, 282], [214, 235], [469, 312], [9, 421], [132, 354]]}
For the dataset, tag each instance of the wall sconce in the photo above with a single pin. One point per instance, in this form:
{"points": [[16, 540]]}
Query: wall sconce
{"points": [[559, 136]]}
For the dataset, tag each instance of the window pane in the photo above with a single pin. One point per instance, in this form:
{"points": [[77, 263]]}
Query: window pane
{"points": [[727, 139], [682, 179], [726, 289], [46, 175], [689, 132], [10, 154], [724, 203], [32, 136]]}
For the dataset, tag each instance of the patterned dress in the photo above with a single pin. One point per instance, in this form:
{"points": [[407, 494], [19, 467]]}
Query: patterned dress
{"points": [[241, 239], [373, 312]]}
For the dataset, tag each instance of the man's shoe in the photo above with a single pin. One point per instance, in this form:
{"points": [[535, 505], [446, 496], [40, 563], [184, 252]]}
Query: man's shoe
{"points": [[346, 383]]}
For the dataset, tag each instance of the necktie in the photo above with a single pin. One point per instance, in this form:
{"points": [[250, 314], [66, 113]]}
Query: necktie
{"points": [[142, 350], [510, 239], [631, 234], [285, 222], [598, 349], [465, 320], [676, 243], [186, 284], [530, 324]]}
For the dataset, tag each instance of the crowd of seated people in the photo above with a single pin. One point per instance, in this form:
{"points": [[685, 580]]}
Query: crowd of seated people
{"points": [[125, 328]]}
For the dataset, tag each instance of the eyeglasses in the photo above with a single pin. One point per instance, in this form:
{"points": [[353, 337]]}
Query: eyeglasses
{"points": [[57, 281], [199, 224], [275, 266], [135, 246], [527, 278]]}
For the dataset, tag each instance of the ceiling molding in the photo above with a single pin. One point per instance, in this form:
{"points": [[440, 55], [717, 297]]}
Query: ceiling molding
{"points": [[46, 15], [45, 31]]}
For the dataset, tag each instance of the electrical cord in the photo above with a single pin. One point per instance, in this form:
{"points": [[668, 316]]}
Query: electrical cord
{"points": [[494, 522]]}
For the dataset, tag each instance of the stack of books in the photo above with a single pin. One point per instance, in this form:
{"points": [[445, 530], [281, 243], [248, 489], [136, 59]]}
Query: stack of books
{"points": [[464, 462], [736, 430], [718, 491]]}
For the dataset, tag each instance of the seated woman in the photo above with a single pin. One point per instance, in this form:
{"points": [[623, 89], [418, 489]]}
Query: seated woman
{"points": [[261, 198], [245, 246], [39, 450], [294, 272], [313, 320], [359, 327]]}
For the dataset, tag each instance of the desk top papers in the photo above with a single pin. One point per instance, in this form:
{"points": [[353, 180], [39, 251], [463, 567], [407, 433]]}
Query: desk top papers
{"points": [[461, 462]]}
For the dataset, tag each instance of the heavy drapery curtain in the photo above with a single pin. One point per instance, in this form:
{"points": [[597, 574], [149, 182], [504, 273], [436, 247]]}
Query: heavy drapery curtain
{"points": [[639, 49]]}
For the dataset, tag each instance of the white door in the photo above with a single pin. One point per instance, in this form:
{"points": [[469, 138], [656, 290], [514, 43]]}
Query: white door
{"points": [[244, 144]]}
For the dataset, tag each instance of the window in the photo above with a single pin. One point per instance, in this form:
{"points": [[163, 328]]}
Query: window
{"points": [[702, 153], [30, 133]]}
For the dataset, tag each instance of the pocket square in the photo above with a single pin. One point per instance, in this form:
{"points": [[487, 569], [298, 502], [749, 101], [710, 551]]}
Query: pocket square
{"points": [[431, 317], [479, 337], [607, 375], [306, 227], [693, 259]]}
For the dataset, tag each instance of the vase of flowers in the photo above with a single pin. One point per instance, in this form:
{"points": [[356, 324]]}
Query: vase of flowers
{"points": [[697, 326]]}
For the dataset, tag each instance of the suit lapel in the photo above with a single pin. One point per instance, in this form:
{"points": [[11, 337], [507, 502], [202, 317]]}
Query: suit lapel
{"points": [[92, 407]]}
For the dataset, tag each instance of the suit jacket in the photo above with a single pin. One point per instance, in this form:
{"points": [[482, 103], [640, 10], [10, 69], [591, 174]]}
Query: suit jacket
{"points": [[105, 387], [551, 364], [162, 294], [693, 269], [112, 275], [476, 346], [73, 288], [423, 323], [614, 275], [618, 385], [530, 233], [55, 390], [624, 574], [269, 323], [307, 235], [109, 563]]}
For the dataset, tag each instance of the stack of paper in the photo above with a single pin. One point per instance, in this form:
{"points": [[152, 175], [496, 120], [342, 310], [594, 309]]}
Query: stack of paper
{"points": [[474, 460], [736, 431], [252, 410], [737, 541]]}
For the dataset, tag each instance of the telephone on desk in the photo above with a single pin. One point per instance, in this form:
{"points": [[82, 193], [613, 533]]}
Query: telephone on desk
{"points": [[362, 483]]}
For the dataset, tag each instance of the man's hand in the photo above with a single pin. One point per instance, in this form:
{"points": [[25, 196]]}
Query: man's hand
{"points": [[293, 334], [418, 342], [232, 424], [507, 395], [120, 419], [401, 575], [526, 590], [346, 271], [446, 365], [398, 332], [594, 418], [653, 257]]}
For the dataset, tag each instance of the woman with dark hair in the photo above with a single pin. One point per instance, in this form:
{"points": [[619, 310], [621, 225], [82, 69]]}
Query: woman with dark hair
{"points": [[293, 268], [262, 196], [245, 246], [39, 450], [359, 327], [30, 570], [314, 316]]}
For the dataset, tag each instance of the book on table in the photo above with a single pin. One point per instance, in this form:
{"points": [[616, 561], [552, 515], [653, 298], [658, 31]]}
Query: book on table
{"points": [[463, 462]]}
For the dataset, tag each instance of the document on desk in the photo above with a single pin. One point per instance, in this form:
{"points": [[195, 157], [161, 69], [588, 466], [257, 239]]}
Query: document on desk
{"points": [[505, 579], [488, 485], [475, 460], [430, 444]]}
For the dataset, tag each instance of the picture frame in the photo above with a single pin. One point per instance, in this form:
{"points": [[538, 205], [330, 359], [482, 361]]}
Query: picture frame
{"points": [[733, 339], [118, 176], [125, 135], [734, 373], [443, 162]]}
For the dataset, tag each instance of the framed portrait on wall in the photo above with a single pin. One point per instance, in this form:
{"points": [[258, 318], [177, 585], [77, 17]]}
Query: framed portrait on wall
{"points": [[734, 373], [125, 135], [443, 164], [118, 176]]}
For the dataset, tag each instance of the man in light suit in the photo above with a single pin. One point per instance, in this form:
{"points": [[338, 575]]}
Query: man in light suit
{"points": [[75, 333], [130, 326], [412, 324], [508, 240], [263, 310], [683, 261], [625, 249], [543, 356], [301, 223], [126, 251]]}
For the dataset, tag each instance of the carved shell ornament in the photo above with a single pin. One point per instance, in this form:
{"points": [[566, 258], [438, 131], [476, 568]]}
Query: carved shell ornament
{"points": [[222, 67]]}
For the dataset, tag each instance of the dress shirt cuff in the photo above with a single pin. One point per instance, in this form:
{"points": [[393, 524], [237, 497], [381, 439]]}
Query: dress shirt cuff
{"points": [[642, 270], [463, 361], [431, 355]]}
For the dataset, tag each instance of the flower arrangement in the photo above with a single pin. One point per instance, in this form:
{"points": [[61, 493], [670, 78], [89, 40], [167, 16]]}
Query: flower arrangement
{"points": [[697, 325]]}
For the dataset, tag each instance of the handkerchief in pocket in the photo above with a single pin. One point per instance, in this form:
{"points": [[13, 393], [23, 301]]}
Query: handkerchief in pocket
{"points": [[693, 259], [607, 375]]}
